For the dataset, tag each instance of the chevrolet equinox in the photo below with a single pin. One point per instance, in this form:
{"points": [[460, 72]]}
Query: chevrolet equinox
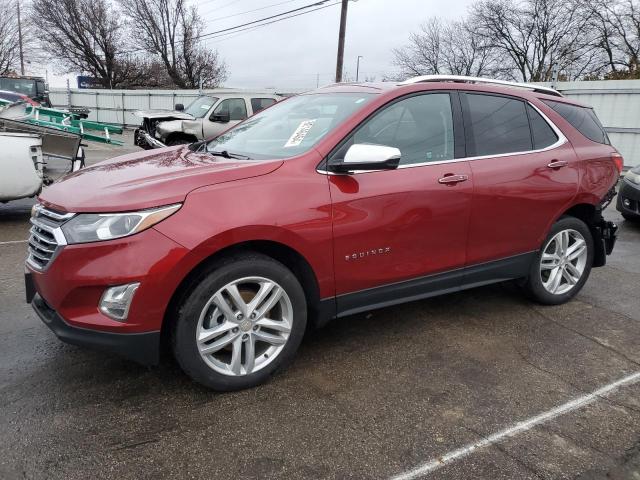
{"points": [[348, 198]]}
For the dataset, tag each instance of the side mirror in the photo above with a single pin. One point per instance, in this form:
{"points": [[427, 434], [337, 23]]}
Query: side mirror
{"points": [[220, 117], [179, 107], [362, 156]]}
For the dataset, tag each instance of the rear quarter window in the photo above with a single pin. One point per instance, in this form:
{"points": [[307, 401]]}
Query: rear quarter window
{"points": [[582, 119], [542, 133]]}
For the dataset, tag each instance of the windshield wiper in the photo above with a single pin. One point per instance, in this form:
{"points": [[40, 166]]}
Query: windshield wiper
{"points": [[227, 154], [195, 147]]}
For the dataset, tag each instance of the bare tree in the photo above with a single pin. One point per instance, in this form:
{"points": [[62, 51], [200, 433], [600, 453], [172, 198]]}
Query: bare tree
{"points": [[617, 27], [9, 55], [538, 36], [171, 30], [447, 48], [87, 36]]}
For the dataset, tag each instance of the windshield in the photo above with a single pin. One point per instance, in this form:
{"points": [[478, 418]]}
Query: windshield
{"points": [[290, 127], [200, 106], [20, 85]]}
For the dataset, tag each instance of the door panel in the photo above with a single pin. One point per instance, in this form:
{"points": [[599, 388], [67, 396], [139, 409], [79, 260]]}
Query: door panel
{"points": [[237, 110], [516, 195], [396, 225], [515, 199]]}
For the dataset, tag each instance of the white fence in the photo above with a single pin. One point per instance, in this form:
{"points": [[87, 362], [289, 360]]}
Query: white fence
{"points": [[117, 106], [617, 103]]}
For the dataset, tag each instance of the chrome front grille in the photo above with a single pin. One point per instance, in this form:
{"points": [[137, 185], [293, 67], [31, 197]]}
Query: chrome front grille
{"points": [[46, 238]]}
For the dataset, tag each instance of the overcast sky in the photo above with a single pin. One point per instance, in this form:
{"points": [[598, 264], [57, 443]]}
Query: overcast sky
{"points": [[291, 53]]}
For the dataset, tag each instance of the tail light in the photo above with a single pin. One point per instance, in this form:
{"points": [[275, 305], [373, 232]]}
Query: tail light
{"points": [[618, 160]]}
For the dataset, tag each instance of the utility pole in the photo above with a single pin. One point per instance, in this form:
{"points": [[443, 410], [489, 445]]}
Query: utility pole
{"points": [[358, 67], [343, 28], [20, 40]]}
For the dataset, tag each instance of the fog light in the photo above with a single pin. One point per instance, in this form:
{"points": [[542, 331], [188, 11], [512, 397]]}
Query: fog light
{"points": [[626, 202], [115, 301]]}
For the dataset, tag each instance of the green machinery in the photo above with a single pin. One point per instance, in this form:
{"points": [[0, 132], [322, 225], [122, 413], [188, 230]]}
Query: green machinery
{"points": [[68, 122]]}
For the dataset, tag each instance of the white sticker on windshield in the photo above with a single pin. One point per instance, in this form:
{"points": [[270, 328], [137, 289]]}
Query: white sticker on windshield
{"points": [[301, 132], [205, 107]]}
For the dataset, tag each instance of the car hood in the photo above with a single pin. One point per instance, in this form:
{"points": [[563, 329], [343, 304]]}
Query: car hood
{"points": [[168, 114], [146, 179]]}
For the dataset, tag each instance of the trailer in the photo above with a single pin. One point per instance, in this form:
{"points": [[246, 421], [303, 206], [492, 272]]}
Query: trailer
{"points": [[30, 136]]}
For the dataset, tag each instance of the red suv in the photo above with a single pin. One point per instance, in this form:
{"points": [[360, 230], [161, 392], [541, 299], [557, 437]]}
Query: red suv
{"points": [[338, 201]]}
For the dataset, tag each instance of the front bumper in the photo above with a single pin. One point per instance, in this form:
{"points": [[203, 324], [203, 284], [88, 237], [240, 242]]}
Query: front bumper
{"points": [[144, 140], [143, 348], [75, 280], [630, 192]]}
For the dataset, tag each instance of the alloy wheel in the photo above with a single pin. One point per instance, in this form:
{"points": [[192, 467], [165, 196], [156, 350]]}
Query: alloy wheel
{"points": [[244, 326], [563, 261]]}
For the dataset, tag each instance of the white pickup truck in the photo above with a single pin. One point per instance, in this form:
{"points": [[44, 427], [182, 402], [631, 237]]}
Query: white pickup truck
{"points": [[23, 149], [206, 117]]}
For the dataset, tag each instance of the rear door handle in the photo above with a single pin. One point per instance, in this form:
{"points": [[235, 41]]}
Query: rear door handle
{"points": [[452, 179], [558, 164]]}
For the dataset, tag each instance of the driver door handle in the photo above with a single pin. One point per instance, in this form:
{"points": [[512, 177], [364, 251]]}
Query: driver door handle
{"points": [[557, 164], [452, 179]]}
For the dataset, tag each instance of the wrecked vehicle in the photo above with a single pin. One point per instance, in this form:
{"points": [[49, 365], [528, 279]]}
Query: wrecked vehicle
{"points": [[33, 87], [206, 117], [36, 89]]}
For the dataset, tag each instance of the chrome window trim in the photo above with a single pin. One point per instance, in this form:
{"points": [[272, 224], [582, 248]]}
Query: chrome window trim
{"points": [[561, 141]]}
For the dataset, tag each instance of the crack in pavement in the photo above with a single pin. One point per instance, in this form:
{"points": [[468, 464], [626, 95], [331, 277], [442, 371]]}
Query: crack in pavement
{"points": [[585, 336]]}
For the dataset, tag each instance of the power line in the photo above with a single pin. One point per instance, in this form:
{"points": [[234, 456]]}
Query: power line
{"points": [[321, 2], [241, 26], [249, 11], [228, 4], [247, 29], [210, 1]]}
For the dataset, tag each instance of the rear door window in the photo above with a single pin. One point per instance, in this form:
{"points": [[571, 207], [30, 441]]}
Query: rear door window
{"points": [[495, 125], [542, 133], [258, 104], [582, 119]]}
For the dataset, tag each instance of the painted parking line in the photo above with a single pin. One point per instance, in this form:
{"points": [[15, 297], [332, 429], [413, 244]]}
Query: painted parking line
{"points": [[516, 429], [11, 242]]}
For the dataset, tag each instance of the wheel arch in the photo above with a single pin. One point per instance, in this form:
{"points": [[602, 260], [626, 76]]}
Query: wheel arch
{"points": [[591, 215], [318, 311]]}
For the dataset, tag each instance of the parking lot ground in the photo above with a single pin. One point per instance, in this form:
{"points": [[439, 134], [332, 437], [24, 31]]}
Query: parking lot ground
{"points": [[375, 395]]}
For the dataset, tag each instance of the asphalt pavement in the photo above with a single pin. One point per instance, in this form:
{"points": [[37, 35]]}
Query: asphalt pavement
{"points": [[480, 384]]}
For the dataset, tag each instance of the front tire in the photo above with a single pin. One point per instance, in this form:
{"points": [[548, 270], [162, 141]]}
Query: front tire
{"points": [[243, 320], [563, 264]]}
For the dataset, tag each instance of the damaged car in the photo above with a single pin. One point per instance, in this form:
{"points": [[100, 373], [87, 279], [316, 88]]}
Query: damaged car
{"points": [[206, 117]]}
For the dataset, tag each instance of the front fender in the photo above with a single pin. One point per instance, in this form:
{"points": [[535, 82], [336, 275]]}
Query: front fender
{"points": [[282, 207]]}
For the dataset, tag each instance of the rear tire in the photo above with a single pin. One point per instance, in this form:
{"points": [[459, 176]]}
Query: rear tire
{"points": [[563, 264], [242, 321]]}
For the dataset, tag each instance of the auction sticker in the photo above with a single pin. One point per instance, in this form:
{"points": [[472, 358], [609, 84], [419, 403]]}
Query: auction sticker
{"points": [[301, 132]]}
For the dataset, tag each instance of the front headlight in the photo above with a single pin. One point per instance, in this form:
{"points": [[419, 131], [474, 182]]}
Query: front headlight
{"points": [[632, 177], [95, 227]]}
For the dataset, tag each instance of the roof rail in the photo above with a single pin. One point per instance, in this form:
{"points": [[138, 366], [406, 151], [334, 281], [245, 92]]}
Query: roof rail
{"points": [[462, 78]]}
